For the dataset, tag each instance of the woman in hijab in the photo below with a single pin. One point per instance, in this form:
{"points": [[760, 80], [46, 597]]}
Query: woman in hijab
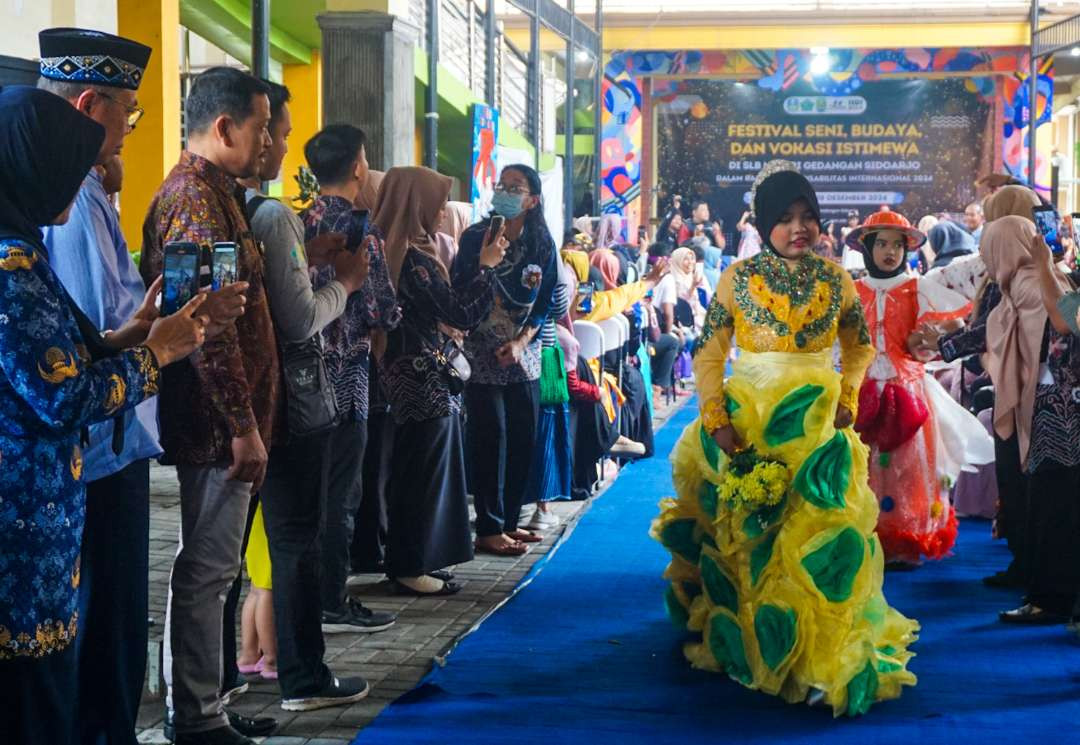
{"points": [[948, 242], [607, 263], [370, 191], [505, 352], [59, 377], [427, 501], [969, 276], [926, 253], [456, 217], [1034, 362], [774, 557]]}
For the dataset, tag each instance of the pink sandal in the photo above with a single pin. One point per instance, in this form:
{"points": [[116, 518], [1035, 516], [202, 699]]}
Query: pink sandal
{"points": [[250, 669]]}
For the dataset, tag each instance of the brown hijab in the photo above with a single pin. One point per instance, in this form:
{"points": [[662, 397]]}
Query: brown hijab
{"points": [[1014, 330], [1010, 200], [407, 213], [369, 192]]}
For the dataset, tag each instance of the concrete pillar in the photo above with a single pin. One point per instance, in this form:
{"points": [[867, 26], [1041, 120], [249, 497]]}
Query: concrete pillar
{"points": [[369, 81]]}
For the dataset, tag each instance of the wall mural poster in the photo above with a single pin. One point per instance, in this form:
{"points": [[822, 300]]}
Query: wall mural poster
{"points": [[996, 76], [484, 163], [914, 145]]}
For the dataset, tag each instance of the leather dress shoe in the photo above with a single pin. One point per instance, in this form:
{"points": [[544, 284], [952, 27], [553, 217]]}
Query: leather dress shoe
{"points": [[247, 726]]}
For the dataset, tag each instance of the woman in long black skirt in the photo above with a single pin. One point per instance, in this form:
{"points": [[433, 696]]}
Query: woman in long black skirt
{"points": [[428, 508]]}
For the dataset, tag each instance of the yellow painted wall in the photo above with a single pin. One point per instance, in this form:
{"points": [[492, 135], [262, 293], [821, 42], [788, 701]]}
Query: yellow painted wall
{"points": [[798, 36], [154, 147], [306, 108]]}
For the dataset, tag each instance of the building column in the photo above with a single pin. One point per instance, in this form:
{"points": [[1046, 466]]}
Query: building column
{"points": [[306, 108], [153, 148], [369, 81]]}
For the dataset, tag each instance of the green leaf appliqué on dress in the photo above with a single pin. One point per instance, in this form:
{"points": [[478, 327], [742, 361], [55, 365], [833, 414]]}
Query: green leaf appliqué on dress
{"points": [[825, 474], [787, 420], [834, 566], [776, 632]]}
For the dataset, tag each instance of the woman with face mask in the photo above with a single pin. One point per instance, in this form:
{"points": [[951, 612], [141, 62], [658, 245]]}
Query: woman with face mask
{"points": [[503, 394], [919, 437], [774, 557]]}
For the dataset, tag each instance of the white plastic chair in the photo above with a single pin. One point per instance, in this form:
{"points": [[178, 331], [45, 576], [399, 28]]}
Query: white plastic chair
{"points": [[591, 338]]}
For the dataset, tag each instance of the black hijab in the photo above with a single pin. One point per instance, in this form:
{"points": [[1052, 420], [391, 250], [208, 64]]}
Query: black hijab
{"points": [[775, 194], [872, 268], [47, 148]]}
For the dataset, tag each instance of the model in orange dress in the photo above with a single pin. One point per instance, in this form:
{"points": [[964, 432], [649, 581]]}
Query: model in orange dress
{"points": [[919, 438]]}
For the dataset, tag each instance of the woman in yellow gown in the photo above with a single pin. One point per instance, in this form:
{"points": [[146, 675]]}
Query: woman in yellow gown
{"points": [[775, 568]]}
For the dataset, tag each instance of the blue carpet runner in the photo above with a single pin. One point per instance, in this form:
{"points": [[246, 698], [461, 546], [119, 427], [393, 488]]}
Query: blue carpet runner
{"points": [[585, 654]]}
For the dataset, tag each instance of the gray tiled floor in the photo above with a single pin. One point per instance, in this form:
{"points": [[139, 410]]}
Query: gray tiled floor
{"points": [[394, 661]]}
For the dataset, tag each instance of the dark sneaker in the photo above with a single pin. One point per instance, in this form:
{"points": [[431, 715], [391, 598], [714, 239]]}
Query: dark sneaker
{"points": [[354, 617], [337, 693], [221, 736]]}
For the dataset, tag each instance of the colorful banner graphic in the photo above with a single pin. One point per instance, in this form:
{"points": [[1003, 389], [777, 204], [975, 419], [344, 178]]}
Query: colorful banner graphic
{"points": [[996, 76], [484, 164], [914, 145]]}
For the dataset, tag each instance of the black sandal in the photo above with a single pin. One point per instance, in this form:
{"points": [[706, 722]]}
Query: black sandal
{"points": [[442, 574]]}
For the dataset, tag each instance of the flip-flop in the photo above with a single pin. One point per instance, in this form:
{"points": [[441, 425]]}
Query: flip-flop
{"points": [[524, 536], [442, 574], [509, 549], [250, 669]]}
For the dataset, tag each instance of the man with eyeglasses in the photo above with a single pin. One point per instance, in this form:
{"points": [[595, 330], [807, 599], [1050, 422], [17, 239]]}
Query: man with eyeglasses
{"points": [[99, 74]]}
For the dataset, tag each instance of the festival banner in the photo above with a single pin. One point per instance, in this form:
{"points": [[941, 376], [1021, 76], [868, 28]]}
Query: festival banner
{"points": [[916, 145], [484, 165]]}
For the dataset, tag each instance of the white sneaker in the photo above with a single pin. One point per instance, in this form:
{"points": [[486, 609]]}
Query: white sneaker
{"points": [[544, 521]]}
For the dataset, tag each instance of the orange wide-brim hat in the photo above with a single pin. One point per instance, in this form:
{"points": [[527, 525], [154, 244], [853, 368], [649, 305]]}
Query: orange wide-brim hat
{"points": [[886, 219]]}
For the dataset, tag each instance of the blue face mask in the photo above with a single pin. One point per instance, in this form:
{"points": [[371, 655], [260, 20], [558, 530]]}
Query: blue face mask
{"points": [[508, 205]]}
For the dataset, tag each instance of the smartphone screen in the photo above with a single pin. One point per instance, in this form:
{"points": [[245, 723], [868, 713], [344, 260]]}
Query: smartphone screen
{"points": [[181, 276], [224, 264], [584, 302], [497, 223], [1049, 224]]}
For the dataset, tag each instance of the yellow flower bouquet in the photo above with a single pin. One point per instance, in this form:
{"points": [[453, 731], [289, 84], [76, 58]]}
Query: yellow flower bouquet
{"points": [[754, 481]]}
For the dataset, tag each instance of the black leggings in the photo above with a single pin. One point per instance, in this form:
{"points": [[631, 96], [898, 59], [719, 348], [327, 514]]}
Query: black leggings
{"points": [[500, 437]]}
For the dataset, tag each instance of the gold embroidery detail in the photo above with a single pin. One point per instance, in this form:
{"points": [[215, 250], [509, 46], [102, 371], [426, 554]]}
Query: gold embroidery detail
{"points": [[59, 366], [76, 573], [149, 370], [117, 394], [17, 258], [76, 463], [49, 636]]}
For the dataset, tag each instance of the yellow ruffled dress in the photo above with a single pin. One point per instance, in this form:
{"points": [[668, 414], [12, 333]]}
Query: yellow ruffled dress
{"points": [[784, 596]]}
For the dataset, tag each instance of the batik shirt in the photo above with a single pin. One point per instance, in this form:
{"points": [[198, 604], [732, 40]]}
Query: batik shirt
{"points": [[415, 385], [49, 392], [373, 306], [233, 385], [764, 306]]}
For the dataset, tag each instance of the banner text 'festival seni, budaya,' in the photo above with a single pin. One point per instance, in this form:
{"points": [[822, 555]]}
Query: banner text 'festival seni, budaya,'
{"points": [[794, 140]]}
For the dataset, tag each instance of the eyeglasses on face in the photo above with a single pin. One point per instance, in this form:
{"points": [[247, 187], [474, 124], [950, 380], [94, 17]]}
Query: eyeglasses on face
{"points": [[516, 190], [134, 113]]}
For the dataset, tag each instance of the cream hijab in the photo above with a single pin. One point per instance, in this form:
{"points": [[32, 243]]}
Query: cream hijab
{"points": [[1014, 329], [407, 213]]}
